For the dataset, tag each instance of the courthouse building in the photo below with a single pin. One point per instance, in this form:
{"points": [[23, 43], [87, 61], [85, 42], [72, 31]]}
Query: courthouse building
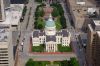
{"points": [[50, 36]]}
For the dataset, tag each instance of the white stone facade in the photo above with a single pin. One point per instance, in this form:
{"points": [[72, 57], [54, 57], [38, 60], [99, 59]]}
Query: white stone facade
{"points": [[51, 37]]}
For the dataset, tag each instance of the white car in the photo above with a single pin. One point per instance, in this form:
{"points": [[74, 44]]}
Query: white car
{"points": [[22, 43]]}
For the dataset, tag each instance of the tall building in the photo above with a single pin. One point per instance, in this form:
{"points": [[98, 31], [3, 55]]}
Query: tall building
{"points": [[2, 12], [10, 15], [6, 3], [6, 48], [78, 10], [50, 37], [93, 44]]}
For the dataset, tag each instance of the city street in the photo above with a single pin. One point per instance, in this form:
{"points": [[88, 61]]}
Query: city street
{"points": [[74, 36]]}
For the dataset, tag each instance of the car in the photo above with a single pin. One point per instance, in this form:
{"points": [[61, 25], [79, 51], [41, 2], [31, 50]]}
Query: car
{"points": [[22, 43]]}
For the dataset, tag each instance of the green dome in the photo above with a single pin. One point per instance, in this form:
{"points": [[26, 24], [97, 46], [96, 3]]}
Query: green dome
{"points": [[50, 22]]}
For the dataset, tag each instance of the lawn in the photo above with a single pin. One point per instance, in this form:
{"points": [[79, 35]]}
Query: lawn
{"points": [[64, 48], [38, 48], [72, 62], [30, 62]]}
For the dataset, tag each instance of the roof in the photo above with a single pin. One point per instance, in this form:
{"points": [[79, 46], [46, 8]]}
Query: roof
{"points": [[3, 35], [98, 32], [58, 33], [13, 16], [18, 1], [36, 33], [50, 22], [65, 33], [96, 22], [79, 11], [0, 12], [41, 33], [51, 38]]}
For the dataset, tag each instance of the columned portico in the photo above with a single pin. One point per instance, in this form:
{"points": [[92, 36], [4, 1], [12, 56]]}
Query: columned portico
{"points": [[51, 47]]}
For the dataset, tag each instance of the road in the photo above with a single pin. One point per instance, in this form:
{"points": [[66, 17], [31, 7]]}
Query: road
{"points": [[74, 33]]}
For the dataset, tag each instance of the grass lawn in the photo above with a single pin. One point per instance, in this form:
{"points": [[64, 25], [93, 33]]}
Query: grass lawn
{"points": [[72, 62], [64, 48], [41, 63], [31, 62], [38, 48]]}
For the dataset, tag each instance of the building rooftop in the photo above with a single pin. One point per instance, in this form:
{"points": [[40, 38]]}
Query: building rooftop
{"points": [[98, 32], [13, 15], [17, 1], [36, 33], [4, 45], [4, 35], [50, 22], [41, 33], [80, 11], [51, 38], [0, 12], [96, 22], [65, 33]]}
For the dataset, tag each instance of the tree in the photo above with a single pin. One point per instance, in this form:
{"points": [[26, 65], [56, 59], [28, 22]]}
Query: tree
{"points": [[40, 23], [30, 63], [40, 26], [63, 21], [74, 62], [39, 1], [59, 8], [64, 63], [55, 12]]}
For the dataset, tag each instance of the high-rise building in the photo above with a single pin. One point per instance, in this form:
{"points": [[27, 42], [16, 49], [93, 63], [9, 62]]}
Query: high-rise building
{"points": [[78, 10], [93, 44], [6, 3], [6, 47], [2, 12], [9, 22]]}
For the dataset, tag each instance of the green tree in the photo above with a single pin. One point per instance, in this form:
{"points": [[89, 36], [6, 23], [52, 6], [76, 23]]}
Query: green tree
{"points": [[74, 62], [58, 24], [39, 1], [30, 63], [55, 12], [64, 63], [63, 22], [40, 23], [40, 26], [59, 8]]}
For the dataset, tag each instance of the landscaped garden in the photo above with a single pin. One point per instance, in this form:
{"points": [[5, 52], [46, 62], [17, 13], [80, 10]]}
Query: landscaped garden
{"points": [[57, 13], [64, 48], [71, 62], [30, 62], [38, 48], [39, 13]]}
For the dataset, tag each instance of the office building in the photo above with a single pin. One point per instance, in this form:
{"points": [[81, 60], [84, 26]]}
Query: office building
{"points": [[6, 47], [78, 11], [93, 43]]}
